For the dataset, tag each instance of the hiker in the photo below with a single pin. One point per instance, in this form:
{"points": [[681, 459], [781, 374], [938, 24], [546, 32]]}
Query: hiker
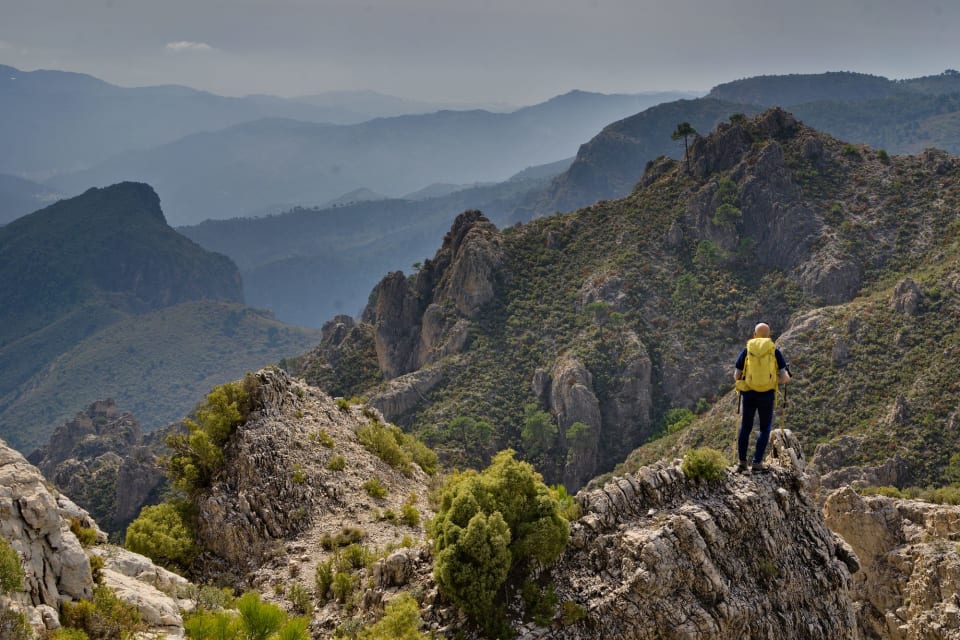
{"points": [[758, 370]]}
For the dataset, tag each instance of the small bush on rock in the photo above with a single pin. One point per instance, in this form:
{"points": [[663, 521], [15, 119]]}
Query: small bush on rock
{"points": [[704, 464], [401, 621], [198, 454], [11, 571]]}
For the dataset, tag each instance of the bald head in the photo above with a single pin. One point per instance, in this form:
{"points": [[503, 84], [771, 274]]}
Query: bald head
{"points": [[762, 330]]}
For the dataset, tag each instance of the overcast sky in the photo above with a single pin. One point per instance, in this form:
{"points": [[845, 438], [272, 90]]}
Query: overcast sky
{"points": [[516, 51]]}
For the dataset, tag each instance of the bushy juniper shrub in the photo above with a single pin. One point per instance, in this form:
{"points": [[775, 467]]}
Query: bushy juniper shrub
{"points": [[491, 525], [704, 464], [163, 532]]}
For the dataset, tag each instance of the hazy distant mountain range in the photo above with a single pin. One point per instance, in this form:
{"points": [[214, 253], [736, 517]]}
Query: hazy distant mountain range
{"points": [[900, 116], [307, 265], [249, 166]]}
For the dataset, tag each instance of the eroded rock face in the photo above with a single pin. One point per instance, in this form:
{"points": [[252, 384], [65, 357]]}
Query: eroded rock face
{"points": [[404, 393], [55, 566], [397, 322], [422, 321], [835, 465], [910, 575], [906, 297], [573, 400], [277, 481], [657, 555], [100, 460]]}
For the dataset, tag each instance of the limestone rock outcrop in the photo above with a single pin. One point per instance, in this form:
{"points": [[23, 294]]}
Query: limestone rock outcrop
{"points": [[422, 319], [154, 591], [101, 461], [573, 400], [910, 576], [658, 555], [54, 563], [278, 485]]}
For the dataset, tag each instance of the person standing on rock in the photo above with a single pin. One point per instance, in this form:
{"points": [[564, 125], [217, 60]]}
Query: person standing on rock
{"points": [[758, 370]]}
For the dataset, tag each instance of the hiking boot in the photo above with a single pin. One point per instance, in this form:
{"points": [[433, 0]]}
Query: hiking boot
{"points": [[759, 467], [742, 467]]}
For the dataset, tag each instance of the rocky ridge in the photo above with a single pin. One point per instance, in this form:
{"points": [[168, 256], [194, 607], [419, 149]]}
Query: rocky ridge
{"points": [[279, 493]]}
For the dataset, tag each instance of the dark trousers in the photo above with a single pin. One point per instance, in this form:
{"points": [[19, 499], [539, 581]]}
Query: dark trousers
{"points": [[755, 402]]}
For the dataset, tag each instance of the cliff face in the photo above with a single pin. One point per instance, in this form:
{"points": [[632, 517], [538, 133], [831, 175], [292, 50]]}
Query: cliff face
{"points": [[421, 321], [36, 525]]}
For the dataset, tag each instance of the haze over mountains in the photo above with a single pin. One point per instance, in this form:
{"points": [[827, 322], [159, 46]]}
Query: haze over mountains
{"points": [[102, 298]]}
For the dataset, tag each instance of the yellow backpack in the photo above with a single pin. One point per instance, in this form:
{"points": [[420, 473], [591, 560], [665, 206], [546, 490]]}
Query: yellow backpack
{"points": [[760, 367]]}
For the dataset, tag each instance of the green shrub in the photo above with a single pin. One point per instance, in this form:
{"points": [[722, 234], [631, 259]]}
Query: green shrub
{"points": [[163, 533], [325, 438], [491, 525], [569, 507], [396, 448], [727, 216], [539, 603], [15, 626], [209, 598], [198, 454], [323, 580], [63, 633], [106, 617], [343, 404], [299, 476], [337, 463], [343, 585], [11, 569], [571, 612], [294, 629], [258, 619], [401, 621], [676, 419], [378, 439], [375, 488], [87, 536], [209, 625], [96, 568], [409, 515], [704, 464], [354, 556], [300, 598], [346, 536]]}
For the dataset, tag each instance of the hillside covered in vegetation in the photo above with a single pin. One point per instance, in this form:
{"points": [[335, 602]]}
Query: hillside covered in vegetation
{"points": [[103, 298], [578, 337]]}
